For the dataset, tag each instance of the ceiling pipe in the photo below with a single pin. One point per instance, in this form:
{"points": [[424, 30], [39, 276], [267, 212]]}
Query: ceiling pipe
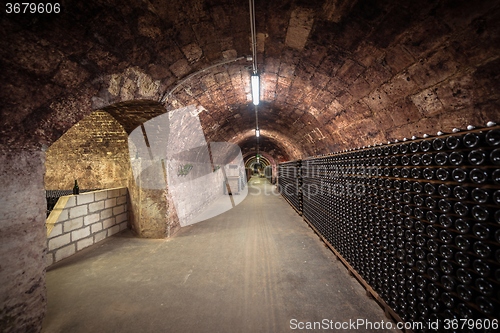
{"points": [[254, 36]]}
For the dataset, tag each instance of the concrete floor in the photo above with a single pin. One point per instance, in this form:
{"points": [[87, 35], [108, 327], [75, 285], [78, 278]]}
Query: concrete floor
{"points": [[254, 268]]}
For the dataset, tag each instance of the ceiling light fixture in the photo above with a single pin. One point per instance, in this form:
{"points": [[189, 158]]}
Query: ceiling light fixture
{"points": [[257, 132], [255, 89]]}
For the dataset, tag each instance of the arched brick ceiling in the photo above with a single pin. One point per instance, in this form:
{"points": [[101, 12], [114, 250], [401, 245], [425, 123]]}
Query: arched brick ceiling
{"points": [[335, 74]]}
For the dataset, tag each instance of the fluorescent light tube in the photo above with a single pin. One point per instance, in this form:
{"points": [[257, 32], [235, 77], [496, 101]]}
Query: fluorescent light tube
{"points": [[255, 90]]}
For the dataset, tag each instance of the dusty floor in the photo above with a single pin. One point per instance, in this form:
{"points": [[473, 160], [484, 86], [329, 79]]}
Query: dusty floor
{"points": [[255, 268]]}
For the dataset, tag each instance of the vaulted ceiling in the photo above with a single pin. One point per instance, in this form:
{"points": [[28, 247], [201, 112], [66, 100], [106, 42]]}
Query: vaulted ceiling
{"points": [[335, 74]]}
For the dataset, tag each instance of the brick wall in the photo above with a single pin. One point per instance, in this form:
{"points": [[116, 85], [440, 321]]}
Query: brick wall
{"points": [[94, 151], [79, 221]]}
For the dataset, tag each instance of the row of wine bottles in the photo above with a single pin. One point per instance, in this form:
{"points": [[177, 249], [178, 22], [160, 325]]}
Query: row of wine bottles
{"points": [[419, 220]]}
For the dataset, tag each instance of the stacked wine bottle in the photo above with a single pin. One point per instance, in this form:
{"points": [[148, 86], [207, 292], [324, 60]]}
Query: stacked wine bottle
{"points": [[419, 220], [290, 183]]}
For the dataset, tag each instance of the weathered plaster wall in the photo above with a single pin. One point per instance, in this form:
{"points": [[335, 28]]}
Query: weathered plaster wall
{"points": [[22, 240]]}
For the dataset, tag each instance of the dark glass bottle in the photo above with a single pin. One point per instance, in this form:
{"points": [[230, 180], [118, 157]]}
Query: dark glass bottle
{"points": [[425, 145], [485, 305], [405, 172], [444, 205], [464, 311], [481, 249], [428, 173], [460, 208], [481, 267], [414, 146], [76, 188], [427, 159], [471, 140], [442, 174], [480, 195], [445, 221], [477, 157], [421, 266], [445, 236], [446, 267], [438, 144], [464, 293], [462, 259], [434, 304], [460, 192], [431, 216], [448, 300], [453, 142], [448, 282], [463, 226], [441, 158], [495, 156], [446, 251], [464, 276], [459, 175], [415, 173], [462, 243], [444, 190], [478, 176], [431, 231], [432, 245], [433, 290], [456, 158], [421, 294], [429, 189], [430, 203], [493, 137], [480, 213], [432, 259], [495, 176]]}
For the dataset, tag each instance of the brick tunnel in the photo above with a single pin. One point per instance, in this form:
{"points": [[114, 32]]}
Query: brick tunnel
{"points": [[346, 88]]}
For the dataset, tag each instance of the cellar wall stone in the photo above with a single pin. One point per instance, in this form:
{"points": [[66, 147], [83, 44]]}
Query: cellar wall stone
{"points": [[332, 76]]}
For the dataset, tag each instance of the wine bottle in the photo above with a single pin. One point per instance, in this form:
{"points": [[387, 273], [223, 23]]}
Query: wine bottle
{"points": [[76, 189], [480, 195], [464, 292], [481, 267], [477, 157], [453, 142], [438, 144], [460, 192], [495, 156], [493, 137], [456, 158], [471, 140], [482, 249], [464, 276]]}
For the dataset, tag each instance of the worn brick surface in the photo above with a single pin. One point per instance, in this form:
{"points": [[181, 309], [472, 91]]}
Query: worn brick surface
{"points": [[418, 67]]}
